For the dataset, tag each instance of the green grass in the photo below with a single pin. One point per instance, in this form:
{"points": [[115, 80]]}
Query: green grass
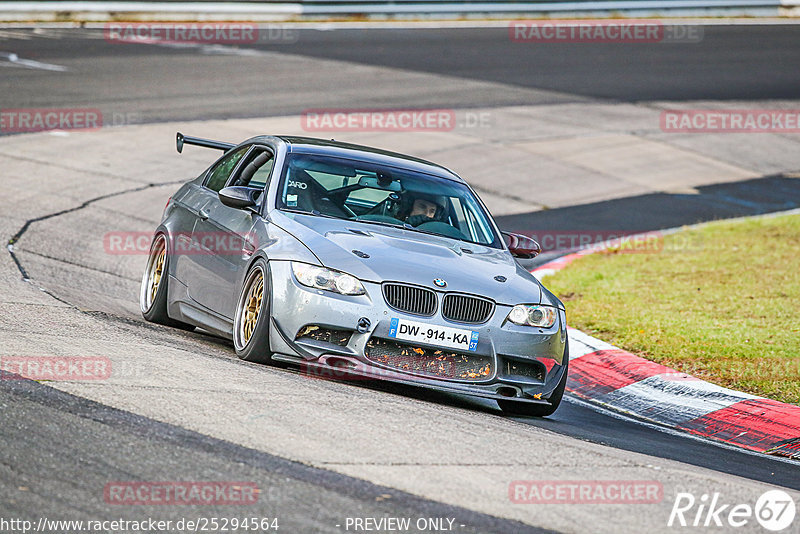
{"points": [[721, 302]]}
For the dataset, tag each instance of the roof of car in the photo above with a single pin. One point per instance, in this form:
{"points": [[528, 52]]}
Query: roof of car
{"points": [[332, 147]]}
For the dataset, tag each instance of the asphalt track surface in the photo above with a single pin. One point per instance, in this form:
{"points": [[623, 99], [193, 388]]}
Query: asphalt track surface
{"points": [[727, 65], [80, 443], [751, 62], [148, 82]]}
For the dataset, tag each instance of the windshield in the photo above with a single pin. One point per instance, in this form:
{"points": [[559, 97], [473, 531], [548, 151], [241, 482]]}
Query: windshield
{"points": [[365, 192]]}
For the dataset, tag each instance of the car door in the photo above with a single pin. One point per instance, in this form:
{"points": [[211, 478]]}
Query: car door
{"points": [[226, 236], [185, 209], [188, 249]]}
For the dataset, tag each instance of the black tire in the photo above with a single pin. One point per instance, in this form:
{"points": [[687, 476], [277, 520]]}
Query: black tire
{"points": [[251, 333], [512, 407], [153, 300]]}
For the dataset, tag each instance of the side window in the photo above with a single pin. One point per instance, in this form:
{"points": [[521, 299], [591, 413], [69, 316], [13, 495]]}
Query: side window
{"points": [[257, 170], [223, 169], [261, 176]]}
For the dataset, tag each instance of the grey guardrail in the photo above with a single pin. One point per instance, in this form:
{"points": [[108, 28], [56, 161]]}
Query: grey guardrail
{"points": [[276, 10], [444, 6], [463, 4]]}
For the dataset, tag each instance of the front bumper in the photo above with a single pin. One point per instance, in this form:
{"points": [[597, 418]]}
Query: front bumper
{"points": [[506, 346]]}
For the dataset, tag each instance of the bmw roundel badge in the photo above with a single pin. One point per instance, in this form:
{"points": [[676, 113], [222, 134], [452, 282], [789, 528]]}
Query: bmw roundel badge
{"points": [[439, 283]]}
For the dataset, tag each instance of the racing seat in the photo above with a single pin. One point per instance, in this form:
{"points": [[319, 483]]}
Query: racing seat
{"points": [[311, 196]]}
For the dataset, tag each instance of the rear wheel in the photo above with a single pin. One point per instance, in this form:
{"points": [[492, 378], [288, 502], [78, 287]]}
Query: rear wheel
{"points": [[513, 407], [251, 324], [153, 292]]}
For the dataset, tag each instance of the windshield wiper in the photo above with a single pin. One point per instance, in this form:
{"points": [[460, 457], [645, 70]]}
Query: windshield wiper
{"points": [[402, 226], [315, 213]]}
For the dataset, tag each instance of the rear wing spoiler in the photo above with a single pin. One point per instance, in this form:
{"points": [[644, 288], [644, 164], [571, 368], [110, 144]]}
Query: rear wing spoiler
{"points": [[181, 139]]}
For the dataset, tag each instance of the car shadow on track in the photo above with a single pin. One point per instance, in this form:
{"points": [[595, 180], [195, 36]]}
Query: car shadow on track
{"points": [[659, 211]]}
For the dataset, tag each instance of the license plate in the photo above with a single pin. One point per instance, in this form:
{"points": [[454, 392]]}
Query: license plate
{"points": [[443, 336]]}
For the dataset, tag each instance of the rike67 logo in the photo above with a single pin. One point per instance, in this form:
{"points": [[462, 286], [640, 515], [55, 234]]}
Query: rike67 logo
{"points": [[774, 510]]}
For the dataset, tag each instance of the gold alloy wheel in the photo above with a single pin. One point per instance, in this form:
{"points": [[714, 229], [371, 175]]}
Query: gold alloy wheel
{"points": [[155, 272], [251, 307]]}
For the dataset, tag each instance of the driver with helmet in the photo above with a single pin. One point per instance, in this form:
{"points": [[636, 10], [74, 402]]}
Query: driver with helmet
{"points": [[425, 209]]}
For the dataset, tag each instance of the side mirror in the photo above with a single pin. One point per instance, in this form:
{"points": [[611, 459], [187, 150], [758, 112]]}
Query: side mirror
{"points": [[522, 246], [238, 197]]}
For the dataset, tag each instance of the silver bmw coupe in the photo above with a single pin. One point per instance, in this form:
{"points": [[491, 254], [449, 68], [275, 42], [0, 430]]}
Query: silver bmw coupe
{"points": [[357, 263]]}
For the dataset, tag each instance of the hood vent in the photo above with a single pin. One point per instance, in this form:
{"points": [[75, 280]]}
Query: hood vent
{"points": [[360, 232]]}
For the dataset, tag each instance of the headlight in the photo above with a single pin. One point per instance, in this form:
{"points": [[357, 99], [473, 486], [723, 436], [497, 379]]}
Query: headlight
{"points": [[327, 279], [532, 315]]}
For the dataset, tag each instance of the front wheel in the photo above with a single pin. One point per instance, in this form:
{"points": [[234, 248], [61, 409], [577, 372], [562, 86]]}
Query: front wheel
{"points": [[153, 292], [512, 407], [251, 324]]}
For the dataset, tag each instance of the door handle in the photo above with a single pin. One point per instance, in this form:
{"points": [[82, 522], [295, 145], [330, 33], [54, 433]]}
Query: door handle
{"points": [[203, 214]]}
